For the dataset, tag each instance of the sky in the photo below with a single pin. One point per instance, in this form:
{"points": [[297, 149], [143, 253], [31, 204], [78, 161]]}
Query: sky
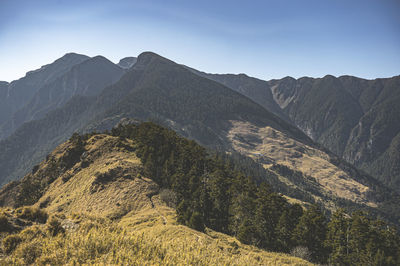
{"points": [[264, 39]]}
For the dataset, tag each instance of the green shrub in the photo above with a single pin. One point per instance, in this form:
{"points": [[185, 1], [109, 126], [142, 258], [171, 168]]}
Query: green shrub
{"points": [[32, 214], [10, 243]]}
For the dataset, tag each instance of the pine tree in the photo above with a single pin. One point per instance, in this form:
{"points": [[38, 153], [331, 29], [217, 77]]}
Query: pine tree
{"points": [[359, 237], [243, 203], [219, 186], [270, 207], [338, 238], [286, 224], [310, 232]]}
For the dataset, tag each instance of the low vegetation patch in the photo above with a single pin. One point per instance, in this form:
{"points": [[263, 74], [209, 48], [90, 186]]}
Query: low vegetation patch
{"points": [[32, 214]]}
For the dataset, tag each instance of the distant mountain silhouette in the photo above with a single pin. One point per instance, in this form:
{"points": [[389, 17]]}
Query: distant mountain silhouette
{"points": [[87, 79], [19, 92]]}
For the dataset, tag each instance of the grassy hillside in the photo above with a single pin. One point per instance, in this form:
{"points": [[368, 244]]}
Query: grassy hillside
{"points": [[313, 172], [130, 197], [95, 240], [104, 211]]}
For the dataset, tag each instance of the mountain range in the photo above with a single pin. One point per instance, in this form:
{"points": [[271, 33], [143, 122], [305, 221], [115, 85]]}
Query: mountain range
{"points": [[301, 132], [273, 164], [357, 119]]}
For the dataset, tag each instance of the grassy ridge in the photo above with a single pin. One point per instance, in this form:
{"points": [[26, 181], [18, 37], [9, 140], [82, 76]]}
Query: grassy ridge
{"points": [[103, 211], [98, 241]]}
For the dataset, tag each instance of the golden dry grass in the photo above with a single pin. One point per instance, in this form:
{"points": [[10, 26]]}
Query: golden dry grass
{"points": [[127, 190], [268, 143], [98, 242], [123, 221]]}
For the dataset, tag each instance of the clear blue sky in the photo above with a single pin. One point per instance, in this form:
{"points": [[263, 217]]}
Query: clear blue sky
{"points": [[265, 39]]}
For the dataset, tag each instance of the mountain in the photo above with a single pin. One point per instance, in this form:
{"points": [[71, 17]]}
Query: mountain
{"points": [[357, 119], [127, 62], [256, 177], [160, 90], [103, 208], [142, 194], [19, 92], [3, 89], [86, 79], [155, 88], [255, 89]]}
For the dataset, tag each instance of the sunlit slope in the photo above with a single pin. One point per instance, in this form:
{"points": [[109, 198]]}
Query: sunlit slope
{"points": [[112, 214], [270, 147]]}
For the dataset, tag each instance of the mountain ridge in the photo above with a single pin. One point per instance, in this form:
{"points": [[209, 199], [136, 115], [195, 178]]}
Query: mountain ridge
{"points": [[331, 111], [158, 89], [136, 94], [86, 78], [19, 92], [98, 197]]}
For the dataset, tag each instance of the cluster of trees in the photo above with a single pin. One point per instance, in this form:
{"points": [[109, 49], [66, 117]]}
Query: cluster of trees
{"points": [[211, 193]]}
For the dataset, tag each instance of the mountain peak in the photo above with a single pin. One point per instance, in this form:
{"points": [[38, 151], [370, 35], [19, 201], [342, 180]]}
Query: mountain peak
{"points": [[100, 58], [146, 57], [329, 77], [96, 62], [127, 62], [73, 56]]}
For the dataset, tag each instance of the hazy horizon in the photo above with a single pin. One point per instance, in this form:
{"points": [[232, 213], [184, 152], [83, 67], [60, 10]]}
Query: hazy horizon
{"points": [[267, 39]]}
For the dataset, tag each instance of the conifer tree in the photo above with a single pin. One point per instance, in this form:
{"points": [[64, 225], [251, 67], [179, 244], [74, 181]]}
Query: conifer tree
{"points": [[310, 232], [286, 224], [338, 238]]}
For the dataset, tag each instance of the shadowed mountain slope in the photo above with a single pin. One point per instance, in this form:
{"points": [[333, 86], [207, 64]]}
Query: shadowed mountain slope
{"points": [[86, 79], [155, 88], [19, 92], [255, 89], [355, 118]]}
